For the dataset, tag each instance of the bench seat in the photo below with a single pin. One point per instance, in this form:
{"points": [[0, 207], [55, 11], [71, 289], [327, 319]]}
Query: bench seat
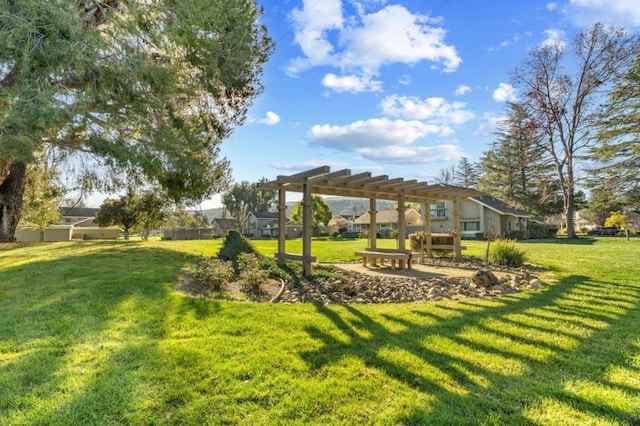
{"points": [[382, 254]]}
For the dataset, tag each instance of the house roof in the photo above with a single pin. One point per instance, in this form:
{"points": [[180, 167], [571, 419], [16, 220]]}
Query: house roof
{"points": [[265, 215], [499, 206], [78, 211], [227, 223]]}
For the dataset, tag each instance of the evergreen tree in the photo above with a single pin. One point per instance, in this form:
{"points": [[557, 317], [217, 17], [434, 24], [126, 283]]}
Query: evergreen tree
{"points": [[43, 192], [619, 141], [516, 169], [466, 174], [145, 88]]}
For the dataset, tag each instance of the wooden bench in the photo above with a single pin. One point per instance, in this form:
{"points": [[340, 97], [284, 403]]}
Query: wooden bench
{"points": [[376, 254]]}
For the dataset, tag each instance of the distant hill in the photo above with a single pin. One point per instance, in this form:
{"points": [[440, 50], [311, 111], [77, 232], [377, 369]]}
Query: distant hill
{"points": [[344, 206], [339, 206]]}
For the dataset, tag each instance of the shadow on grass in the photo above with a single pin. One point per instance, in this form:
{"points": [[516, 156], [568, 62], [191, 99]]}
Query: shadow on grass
{"points": [[495, 361], [74, 330], [578, 241]]}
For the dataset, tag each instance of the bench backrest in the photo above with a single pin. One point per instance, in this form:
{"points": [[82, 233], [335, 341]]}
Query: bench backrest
{"points": [[386, 250]]}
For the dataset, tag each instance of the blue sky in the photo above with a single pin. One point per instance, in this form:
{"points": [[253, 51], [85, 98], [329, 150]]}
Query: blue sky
{"points": [[403, 88]]}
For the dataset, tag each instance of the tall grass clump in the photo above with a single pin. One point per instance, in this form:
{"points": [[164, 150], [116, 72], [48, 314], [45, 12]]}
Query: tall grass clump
{"points": [[505, 252]]}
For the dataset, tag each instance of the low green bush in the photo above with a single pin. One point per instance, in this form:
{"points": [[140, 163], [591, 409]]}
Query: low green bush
{"points": [[251, 272], [213, 274], [541, 231], [505, 252]]}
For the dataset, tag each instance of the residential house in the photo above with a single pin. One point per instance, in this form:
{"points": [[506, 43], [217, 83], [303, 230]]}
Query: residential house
{"points": [[482, 214], [339, 223], [222, 225], [75, 224], [260, 224], [387, 221], [477, 215]]}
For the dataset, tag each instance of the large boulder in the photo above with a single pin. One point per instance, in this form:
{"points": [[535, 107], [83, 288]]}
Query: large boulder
{"points": [[484, 278]]}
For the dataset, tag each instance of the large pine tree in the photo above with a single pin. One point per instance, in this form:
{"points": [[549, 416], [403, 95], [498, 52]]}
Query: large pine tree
{"points": [[619, 137], [149, 88], [516, 169]]}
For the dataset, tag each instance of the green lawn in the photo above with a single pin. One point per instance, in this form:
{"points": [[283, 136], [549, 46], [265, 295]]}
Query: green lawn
{"points": [[93, 333]]}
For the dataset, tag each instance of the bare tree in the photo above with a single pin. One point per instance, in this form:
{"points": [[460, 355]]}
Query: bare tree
{"points": [[446, 176], [564, 105]]}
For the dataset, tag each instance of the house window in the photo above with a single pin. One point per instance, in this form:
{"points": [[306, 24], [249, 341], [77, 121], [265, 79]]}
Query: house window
{"points": [[471, 226], [438, 210]]}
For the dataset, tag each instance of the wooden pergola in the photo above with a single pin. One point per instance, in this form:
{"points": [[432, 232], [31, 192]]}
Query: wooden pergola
{"points": [[322, 181]]}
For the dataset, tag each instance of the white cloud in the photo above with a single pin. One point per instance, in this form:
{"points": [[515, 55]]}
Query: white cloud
{"points": [[270, 119], [385, 140], [436, 110], [368, 41], [624, 13], [373, 133], [505, 93], [414, 154], [351, 83], [462, 89], [405, 80], [555, 37], [490, 125], [552, 6], [512, 40], [312, 24]]}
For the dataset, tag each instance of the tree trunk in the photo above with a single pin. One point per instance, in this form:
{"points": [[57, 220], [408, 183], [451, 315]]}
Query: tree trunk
{"points": [[570, 204], [11, 193]]}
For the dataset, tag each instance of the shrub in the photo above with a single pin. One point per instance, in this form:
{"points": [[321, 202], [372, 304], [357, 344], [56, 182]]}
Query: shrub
{"points": [[352, 234], [537, 231], [213, 274], [234, 244], [363, 234], [251, 272], [505, 252]]}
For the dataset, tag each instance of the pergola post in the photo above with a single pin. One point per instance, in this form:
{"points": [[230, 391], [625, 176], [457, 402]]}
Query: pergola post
{"points": [[372, 223], [401, 223], [307, 202], [282, 227], [457, 235], [427, 230]]}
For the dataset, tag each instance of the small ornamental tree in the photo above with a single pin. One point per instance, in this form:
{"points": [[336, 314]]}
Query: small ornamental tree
{"points": [[120, 212], [321, 212], [617, 219]]}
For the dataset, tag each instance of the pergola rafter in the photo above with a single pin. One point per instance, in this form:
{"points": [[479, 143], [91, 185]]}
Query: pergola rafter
{"points": [[362, 185]]}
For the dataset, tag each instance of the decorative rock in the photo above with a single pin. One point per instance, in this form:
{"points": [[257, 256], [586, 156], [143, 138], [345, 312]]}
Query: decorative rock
{"points": [[361, 288], [484, 278]]}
